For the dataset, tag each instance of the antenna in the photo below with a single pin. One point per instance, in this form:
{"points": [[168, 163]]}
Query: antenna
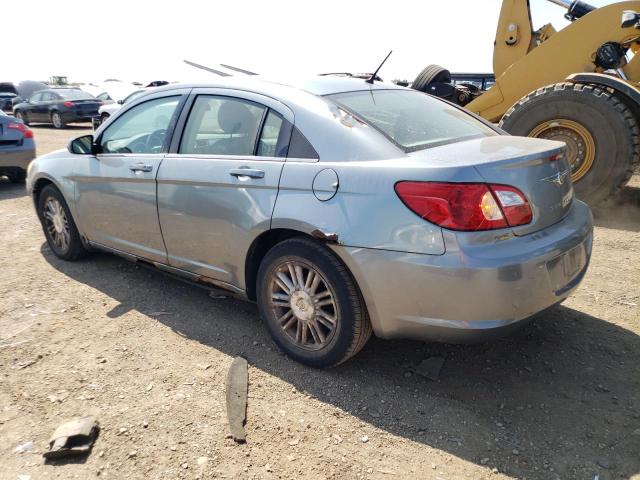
{"points": [[373, 77]]}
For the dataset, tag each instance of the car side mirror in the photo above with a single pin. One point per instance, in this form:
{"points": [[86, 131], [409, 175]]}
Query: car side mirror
{"points": [[120, 102], [83, 145]]}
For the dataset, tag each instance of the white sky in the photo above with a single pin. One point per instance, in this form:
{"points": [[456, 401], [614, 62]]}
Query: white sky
{"points": [[147, 40]]}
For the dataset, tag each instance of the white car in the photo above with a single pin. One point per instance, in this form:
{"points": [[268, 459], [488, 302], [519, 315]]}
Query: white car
{"points": [[105, 111]]}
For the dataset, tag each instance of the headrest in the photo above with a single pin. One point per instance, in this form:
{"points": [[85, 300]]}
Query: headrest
{"points": [[235, 117]]}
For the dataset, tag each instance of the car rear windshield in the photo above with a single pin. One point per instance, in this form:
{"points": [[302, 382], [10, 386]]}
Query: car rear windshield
{"points": [[411, 119], [74, 95]]}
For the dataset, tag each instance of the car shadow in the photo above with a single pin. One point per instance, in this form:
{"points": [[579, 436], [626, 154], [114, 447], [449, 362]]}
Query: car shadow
{"points": [[559, 399], [10, 190], [621, 213]]}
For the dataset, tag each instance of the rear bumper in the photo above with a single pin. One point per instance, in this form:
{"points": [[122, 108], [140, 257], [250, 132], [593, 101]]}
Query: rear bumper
{"points": [[480, 288], [78, 117], [17, 157]]}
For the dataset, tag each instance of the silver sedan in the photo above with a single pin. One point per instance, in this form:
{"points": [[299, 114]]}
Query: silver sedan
{"points": [[342, 208]]}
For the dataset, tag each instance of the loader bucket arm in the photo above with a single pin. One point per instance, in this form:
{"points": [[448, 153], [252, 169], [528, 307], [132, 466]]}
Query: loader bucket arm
{"points": [[569, 51]]}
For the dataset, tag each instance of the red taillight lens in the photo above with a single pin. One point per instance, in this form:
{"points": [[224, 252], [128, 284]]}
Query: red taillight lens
{"points": [[466, 206], [21, 127], [68, 104]]}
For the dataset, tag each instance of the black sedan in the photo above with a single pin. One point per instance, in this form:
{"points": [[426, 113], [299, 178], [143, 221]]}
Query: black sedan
{"points": [[58, 106]]}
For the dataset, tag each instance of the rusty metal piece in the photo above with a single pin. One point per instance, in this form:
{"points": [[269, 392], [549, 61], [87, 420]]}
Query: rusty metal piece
{"points": [[236, 392], [326, 237]]}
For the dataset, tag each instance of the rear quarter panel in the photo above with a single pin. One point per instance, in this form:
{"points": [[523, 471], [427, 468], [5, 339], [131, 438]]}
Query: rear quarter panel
{"points": [[365, 212]]}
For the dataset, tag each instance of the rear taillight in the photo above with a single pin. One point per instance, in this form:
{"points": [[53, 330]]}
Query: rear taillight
{"points": [[466, 206], [21, 127], [68, 104]]}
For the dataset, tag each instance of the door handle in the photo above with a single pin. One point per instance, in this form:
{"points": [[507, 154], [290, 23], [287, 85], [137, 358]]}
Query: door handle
{"points": [[246, 172], [141, 167]]}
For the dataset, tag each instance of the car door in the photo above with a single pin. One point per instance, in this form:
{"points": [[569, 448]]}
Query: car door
{"points": [[218, 187], [45, 104], [34, 106], [116, 189]]}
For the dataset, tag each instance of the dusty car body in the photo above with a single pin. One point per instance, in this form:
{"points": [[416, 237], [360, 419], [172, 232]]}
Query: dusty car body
{"points": [[274, 191]]}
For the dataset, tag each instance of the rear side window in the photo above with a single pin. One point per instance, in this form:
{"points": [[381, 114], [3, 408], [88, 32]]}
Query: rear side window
{"points": [[411, 119], [268, 144], [74, 95], [223, 126]]}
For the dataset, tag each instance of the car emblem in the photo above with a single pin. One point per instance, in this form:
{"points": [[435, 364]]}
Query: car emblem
{"points": [[557, 178]]}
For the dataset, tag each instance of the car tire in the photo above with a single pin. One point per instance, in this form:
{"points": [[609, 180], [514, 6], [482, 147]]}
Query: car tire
{"points": [[104, 117], [311, 304], [17, 176], [593, 112], [59, 227], [431, 74], [21, 116], [56, 120]]}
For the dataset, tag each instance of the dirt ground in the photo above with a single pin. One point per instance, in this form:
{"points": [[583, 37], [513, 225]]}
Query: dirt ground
{"points": [[148, 355]]}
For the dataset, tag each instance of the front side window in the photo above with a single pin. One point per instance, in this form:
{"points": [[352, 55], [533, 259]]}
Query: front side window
{"points": [[411, 119], [141, 129], [222, 126]]}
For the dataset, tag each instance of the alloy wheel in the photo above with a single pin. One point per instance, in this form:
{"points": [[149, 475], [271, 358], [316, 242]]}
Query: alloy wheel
{"points": [[304, 304], [56, 120], [56, 223]]}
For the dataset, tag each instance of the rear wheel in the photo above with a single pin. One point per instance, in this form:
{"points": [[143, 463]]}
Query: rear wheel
{"points": [[429, 75], [58, 225], [56, 120], [311, 304], [600, 131], [16, 175]]}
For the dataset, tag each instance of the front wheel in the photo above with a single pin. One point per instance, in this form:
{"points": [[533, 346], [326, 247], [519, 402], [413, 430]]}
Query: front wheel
{"points": [[59, 228], [311, 304], [21, 116], [56, 120]]}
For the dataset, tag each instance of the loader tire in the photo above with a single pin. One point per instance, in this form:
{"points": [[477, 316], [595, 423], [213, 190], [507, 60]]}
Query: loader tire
{"points": [[431, 74], [601, 133]]}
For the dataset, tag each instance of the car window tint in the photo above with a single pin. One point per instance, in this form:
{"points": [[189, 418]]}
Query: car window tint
{"points": [[411, 119], [35, 97], [221, 126], [269, 136], [141, 129]]}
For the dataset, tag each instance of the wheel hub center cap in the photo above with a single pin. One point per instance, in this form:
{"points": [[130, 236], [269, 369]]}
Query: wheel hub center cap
{"points": [[302, 305]]}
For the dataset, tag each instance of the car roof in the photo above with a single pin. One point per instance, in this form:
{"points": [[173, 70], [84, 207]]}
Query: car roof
{"points": [[318, 86]]}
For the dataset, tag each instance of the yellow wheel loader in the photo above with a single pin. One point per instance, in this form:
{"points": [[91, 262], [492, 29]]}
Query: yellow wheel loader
{"points": [[579, 85]]}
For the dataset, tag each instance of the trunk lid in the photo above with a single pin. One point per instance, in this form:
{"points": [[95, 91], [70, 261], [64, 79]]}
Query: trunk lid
{"points": [[524, 163], [87, 105]]}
